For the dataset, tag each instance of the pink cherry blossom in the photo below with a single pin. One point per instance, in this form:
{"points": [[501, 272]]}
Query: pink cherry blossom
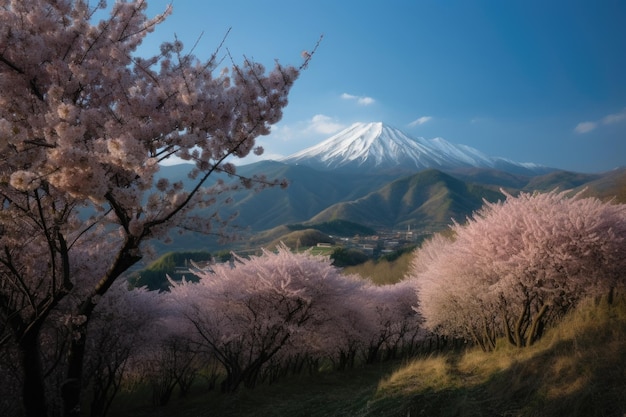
{"points": [[84, 123], [516, 266]]}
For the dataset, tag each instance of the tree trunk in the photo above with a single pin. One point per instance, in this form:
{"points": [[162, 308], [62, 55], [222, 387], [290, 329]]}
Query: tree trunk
{"points": [[532, 334], [232, 380], [33, 390], [72, 387], [477, 339], [518, 335], [507, 329], [490, 336]]}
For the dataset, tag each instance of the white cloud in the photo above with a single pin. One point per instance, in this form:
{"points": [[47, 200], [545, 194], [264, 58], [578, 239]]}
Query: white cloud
{"points": [[362, 100], [614, 118], [324, 124], [585, 127], [283, 133], [609, 119], [480, 119], [286, 139], [420, 121], [320, 124]]}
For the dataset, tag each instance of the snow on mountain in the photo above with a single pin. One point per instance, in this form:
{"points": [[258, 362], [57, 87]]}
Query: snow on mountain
{"points": [[379, 146]]}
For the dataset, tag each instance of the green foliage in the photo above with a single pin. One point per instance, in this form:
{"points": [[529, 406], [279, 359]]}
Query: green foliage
{"points": [[390, 257], [348, 256], [223, 256], [154, 277]]}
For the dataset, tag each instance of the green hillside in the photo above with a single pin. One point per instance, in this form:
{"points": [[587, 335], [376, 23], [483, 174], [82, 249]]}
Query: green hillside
{"points": [[429, 199], [308, 193], [301, 239], [295, 236], [610, 185], [154, 277], [491, 178]]}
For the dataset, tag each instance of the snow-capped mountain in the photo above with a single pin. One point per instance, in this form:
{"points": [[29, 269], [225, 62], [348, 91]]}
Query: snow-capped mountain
{"points": [[382, 147]]}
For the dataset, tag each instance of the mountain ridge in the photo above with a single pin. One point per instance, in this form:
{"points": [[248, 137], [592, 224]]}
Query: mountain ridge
{"points": [[376, 145], [425, 202], [428, 199]]}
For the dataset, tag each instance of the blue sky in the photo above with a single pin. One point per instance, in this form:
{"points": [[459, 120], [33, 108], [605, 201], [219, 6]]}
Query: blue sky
{"points": [[533, 81]]}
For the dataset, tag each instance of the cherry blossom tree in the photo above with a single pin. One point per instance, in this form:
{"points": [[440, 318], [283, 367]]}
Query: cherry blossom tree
{"points": [[173, 362], [264, 315], [346, 330], [396, 322], [124, 326], [517, 266], [261, 308], [453, 300], [84, 124]]}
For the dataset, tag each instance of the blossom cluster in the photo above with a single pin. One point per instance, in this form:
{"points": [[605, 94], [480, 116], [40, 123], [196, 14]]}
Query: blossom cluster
{"points": [[518, 265]]}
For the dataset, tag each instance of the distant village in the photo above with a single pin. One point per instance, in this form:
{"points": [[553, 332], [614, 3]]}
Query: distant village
{"points": [[384, 242]]}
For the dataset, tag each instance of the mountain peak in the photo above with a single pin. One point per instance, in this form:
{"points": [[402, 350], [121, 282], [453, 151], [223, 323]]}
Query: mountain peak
{"points": [[376, 145], [368, 125], [362, 144]]}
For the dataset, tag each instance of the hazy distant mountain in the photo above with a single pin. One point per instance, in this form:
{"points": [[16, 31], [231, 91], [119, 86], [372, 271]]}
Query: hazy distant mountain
{"points": [[610, 185], [367, 146], [309, 192], [561, 180]]}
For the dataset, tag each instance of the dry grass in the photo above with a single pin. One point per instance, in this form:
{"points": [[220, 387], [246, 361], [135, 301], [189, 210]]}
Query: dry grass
{"points": [[382, 272], [577, 369], [432, 373]]}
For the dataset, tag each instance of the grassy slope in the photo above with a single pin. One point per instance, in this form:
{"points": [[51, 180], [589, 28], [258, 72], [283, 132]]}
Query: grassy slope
{"points": [[382, 271], [578, 369]]}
